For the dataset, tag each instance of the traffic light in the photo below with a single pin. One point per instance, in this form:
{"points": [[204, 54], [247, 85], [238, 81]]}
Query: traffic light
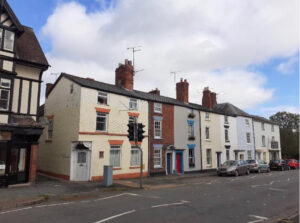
{"points": [[141, 132], [131, 131]]}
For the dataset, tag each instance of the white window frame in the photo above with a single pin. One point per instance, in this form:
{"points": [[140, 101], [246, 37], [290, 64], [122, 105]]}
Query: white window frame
{"points": [[112, 162], [191, 131], [50, 129], [227, 135], [5, 88], [208, 157], [106, 121], [226, 119], [247, 122], [8, 98], [104, 96], [12, 41], [207, 128], [133, 104], [157, 157], [157, 108], [192, 158], [158, 130], [248, 136], [263, 126], [263, 141], [207, 116], [249, 155], [135, 158]]}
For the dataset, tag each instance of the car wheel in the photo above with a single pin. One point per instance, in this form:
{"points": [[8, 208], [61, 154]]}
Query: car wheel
{"points": [[248, 172], [236, 173], [258, 170]]}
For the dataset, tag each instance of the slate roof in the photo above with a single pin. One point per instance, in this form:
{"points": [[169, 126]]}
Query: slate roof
{"points": [[262, 119], [28, 48], [231, 109]]}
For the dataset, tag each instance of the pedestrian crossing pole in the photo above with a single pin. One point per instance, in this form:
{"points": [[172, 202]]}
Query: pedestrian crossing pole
{"points": [[136, 129]]}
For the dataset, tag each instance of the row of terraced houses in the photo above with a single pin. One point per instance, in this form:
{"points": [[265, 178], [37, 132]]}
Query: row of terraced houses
{"points": [[83, 124]]}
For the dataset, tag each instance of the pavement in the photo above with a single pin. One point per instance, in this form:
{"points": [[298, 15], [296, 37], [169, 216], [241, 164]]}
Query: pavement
{"points": [[267, 197]]}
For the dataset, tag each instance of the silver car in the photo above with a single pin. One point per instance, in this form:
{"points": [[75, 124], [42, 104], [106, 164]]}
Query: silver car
{"points": [[233, 167], [258, 166]]}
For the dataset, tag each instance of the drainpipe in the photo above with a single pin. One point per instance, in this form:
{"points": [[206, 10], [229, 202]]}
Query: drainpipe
{"points": [[254, 139], [200, 141], [149, 137]]}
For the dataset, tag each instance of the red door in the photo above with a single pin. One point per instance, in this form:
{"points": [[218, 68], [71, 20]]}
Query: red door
{"points": [[178, 162]]}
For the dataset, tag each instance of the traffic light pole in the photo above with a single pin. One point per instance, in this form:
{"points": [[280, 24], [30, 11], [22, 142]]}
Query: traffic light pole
{"points": [[141, 167]]}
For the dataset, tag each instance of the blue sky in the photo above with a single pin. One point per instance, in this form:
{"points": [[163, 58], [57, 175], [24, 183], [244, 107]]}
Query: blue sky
{"points": [[259, 74]]}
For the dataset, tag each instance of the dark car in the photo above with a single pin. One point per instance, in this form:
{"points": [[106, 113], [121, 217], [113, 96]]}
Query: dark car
{"points": [[279, 165], [233, 167], [258, 166]]}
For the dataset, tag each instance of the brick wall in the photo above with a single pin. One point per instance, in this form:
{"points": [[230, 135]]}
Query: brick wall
{"points": [[167, 135], [33, 162]]}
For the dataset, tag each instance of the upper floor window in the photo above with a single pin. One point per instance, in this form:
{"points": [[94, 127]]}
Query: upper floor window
{"points": [[71, 88], [157, 108], [247, 122], [226, 135], [262, 126], [133, 104], [132, 119], [226, 119], [50, 129], [157, 129], [5, 85], [248, 136], [190, 130], [102, 98], [7, 39], [101, 122], [207, 136], [263, 141], [272, 128], [206, 116]]}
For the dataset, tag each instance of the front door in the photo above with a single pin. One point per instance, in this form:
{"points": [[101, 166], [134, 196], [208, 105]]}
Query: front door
{"points": [[178, 163], [169, 163], [81, 165], [218, 159]]}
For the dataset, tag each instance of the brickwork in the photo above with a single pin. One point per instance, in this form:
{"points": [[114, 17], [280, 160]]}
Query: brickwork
{"points": [[33, 163], [124, 75], [182, 91], [167, 135]]}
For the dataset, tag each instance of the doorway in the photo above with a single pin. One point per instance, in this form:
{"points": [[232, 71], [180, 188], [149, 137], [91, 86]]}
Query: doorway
{"points": [[81, 162], [218, 159], [169, 163], [179, 162]]}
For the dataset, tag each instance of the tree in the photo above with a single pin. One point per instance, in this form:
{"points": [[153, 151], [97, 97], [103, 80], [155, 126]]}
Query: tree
{"points": [[289, 133]]}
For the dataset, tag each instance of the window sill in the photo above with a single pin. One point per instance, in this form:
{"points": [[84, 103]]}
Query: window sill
{"points": [[48, 140], [227, 141], [210, 166], [134, 167], [208, 140], [158, 138], [106, 105], [207, 119], [117, 168], [157, 167], [192, 167], [156, 112]]}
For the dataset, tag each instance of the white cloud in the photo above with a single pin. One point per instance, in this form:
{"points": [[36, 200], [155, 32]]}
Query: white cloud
{"points": [[212, 42], [288, 67]]}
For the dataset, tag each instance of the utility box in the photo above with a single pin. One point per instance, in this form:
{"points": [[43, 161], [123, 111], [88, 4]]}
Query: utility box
{"points": [[108, 176]]}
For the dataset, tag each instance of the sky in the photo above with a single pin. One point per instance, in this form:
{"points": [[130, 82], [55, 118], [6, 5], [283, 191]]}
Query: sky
{"points": [[245, 51]]}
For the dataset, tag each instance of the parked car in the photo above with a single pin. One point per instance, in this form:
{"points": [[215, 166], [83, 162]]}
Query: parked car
{"points": [[233, 167], [279, 165], [294, 164], [258, 166]]}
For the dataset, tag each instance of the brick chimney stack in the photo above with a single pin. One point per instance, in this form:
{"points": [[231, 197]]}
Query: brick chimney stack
{"points": [[124, 75], [182, 91], [48, 89], [209, 99], [156, 91]]}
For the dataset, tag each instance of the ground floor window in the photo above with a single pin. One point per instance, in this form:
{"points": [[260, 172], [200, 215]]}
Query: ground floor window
{"points": [[115, 156], [249, 155], [3, 155], [265, 156], [135, 157], [227, 154], [208, 156], [191, 157], [157, 158], [241, 156]]}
